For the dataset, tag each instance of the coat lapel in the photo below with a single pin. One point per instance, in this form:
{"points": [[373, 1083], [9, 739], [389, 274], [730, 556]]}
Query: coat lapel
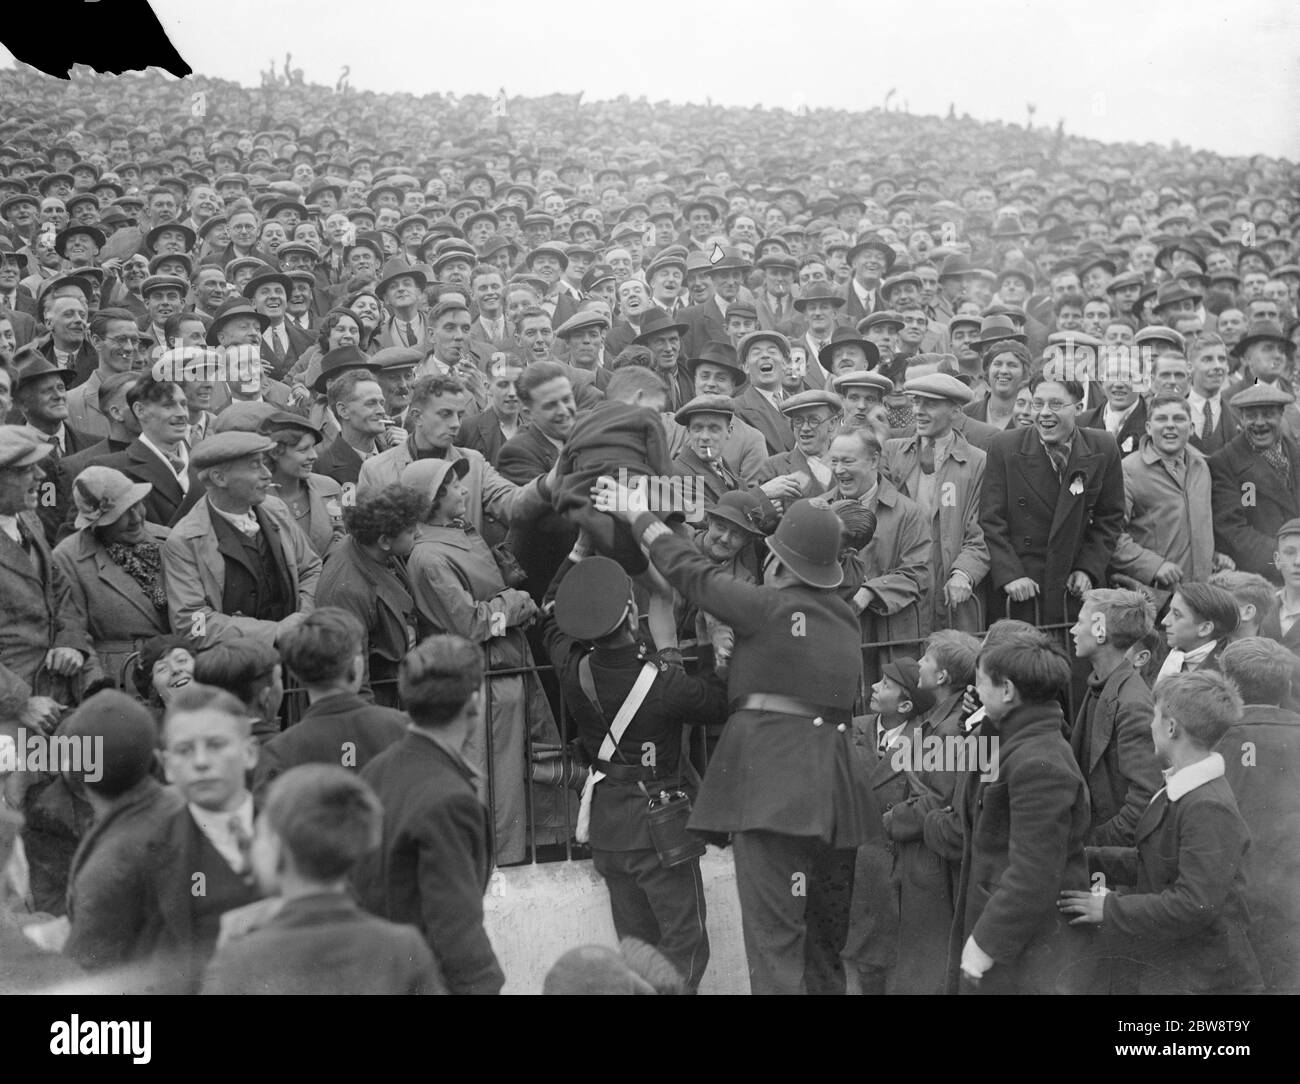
{"points": [[1036, 469]]}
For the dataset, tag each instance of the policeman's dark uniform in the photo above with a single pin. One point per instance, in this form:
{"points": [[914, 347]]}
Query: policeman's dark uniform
{"points": [[663, 907], [784, 778]]}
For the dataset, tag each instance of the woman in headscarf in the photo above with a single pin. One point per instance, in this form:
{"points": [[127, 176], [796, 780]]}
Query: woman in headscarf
{"points": [[458, 588], [113, 567]]}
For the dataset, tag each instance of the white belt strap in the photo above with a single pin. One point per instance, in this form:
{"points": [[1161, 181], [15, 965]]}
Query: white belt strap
{"points": [[612, 737]]}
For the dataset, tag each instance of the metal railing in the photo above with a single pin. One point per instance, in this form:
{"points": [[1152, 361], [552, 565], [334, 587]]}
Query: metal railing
{"points": [[568, 780]]}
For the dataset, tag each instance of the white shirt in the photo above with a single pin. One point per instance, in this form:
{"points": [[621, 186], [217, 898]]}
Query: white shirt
{"points": [[182, 453], [771, 396], [1199, 403], [217, 827], [820, 470], [1186, 780], [885, 738], [276, 334], [246, 524], [1176, 659], [1115, 419], [9, 524], [1286, 618], [864, 295]]}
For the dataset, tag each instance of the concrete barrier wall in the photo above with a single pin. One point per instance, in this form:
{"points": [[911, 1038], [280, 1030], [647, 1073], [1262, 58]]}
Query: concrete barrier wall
{"points": [[534, 914]]}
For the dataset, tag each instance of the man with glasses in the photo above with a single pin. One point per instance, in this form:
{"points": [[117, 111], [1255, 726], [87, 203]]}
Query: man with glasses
{"points": [[116, 339], [1052, 505], [814, 418]]}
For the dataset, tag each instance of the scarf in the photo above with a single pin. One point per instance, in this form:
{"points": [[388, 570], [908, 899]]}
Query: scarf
{"points": [[143, 563]]}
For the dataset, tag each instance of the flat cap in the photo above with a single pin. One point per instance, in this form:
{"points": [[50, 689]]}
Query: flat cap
{"points": [[20, 446], [860, 378], [580, 321], [1262, 395], [806, 400], [705, 404], [939, 386], [226, 447]]}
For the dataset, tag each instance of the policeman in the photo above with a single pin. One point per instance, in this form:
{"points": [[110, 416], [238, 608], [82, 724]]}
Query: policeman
{"points": [[630, 710], [783, 779]]}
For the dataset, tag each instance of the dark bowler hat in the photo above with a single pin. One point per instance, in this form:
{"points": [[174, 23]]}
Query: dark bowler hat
{"points": [[593, 599], [396, 269], [31, 364], [266, 278], [819, 291], [229, 310], [657, 323], [721, 354], [1170, 293], [93, 232], [151, 238], [1262, 331], [807, 542], [846, 336], [339, 359], [996, 329], [880, 246], [728, 260]]}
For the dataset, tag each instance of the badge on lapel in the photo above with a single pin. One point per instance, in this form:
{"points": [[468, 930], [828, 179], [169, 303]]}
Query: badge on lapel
{"points": [[1127, 446], [1076, 483]]}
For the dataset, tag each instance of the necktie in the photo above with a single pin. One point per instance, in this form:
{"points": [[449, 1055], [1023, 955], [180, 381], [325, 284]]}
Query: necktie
{"points": [[408, 333], [28, 543], [1207, 423], [927, 455], [277, 346], [1059, 457], [177, 465], [54, 443], [244, 842]]}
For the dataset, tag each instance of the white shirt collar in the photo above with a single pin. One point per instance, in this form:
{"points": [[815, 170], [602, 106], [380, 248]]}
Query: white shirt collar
{"points": [[216, 826], [1199, 654], [181, 452], [1186, 780], [864, 295], [246, 524], [887, 737], [9, 524], [1198, 400], [773, 397]]}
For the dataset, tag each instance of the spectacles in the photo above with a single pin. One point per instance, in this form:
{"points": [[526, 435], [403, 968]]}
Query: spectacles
{"points": [[1054, 406], [807, 423]]}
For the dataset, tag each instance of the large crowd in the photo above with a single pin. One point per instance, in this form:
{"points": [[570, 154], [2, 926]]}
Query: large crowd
{"points": [[393, 489]]}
